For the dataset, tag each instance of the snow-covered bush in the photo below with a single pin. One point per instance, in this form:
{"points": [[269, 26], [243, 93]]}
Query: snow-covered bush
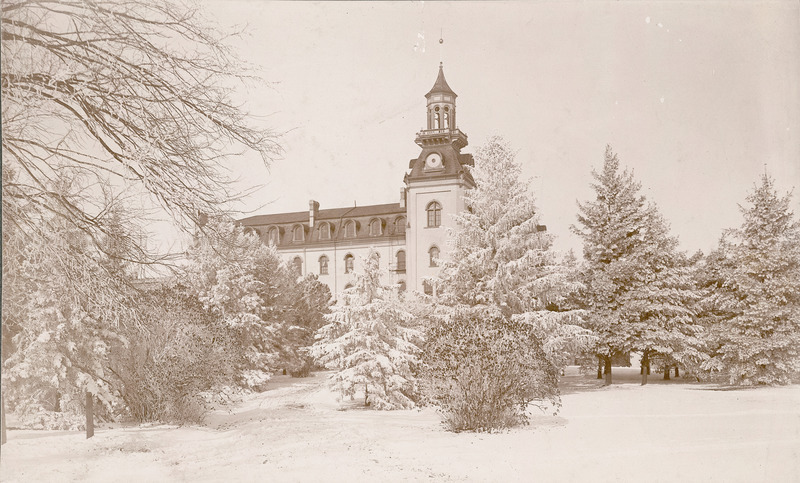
{"points": [[175, 355], [370, 342], [483, 370], [37, 417]]}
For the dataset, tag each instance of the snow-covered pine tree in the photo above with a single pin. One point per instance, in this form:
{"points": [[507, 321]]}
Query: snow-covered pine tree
{"points": [[371, 343], [62, 311], [639, 290], [502, 256], [245, 283], [500, 335], [659, 310], [755, 318]]}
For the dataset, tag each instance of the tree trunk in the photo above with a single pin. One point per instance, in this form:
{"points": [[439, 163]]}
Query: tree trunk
{"points": [[89, 415], [366, 395], [645, 367], [608, 370], [599, 367], [677, 374], [666, 373], [3, 417]]}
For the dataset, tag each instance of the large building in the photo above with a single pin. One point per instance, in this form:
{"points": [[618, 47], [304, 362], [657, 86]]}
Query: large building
{"points": [[410, 236]]}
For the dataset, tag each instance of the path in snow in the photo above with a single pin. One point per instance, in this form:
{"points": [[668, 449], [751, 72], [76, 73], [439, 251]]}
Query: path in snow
{"points": [[297, 431]]}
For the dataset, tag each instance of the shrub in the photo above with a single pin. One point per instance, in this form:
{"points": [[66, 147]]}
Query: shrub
{"points": [[177, 354], [483, 370]]}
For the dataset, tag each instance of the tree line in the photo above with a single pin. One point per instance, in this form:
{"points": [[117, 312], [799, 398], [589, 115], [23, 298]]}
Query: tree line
{"points": [[105, 112], [510, 313]]}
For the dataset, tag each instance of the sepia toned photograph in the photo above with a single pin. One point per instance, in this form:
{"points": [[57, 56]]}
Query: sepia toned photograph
{"points": [[490, 241]]}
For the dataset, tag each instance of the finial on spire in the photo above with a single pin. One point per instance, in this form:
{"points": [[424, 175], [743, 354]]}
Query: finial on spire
{"points": [[441, 41]]}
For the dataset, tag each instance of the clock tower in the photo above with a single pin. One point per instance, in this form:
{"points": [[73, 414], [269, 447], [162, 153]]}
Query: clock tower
{"points": [[435, 185]]}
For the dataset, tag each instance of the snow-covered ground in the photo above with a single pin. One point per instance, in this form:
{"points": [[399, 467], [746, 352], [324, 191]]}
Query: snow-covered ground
{"points": [[297, 431]]}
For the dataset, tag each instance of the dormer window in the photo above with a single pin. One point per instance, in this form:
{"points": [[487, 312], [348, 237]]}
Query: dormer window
{"points": [[273, 236], [298, 234], [375, 227], [400, 225], [325, 231], [434, 210], [350, 229]]}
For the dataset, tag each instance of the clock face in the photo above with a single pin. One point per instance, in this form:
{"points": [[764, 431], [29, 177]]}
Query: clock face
{"points": [[434, 160]]}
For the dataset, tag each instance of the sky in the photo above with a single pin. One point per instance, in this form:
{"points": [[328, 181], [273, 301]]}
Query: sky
{"points": [[699, 99]]}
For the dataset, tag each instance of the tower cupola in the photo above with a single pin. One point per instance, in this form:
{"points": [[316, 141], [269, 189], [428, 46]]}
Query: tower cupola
{"points": [[441, 125]]}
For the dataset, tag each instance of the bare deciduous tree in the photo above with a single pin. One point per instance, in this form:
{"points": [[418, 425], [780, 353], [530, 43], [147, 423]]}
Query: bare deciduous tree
{"points": [[121, 95]]}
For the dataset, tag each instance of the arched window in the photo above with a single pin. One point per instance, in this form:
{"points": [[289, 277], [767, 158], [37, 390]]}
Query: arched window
{"points": [[434, 210], [348, 263], [350, 229], [446, 117], [401, 260], [427, 288], [325, 231], [437, 119], [348, 286], [297, 233], [402, 285], [273, 236], [375, 227], [400, 225], [297, 265], [433, 255], [323, 265]]}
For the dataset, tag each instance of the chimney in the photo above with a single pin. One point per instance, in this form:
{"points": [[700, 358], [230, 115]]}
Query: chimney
{"points": [[313, 213], [402, 197]]}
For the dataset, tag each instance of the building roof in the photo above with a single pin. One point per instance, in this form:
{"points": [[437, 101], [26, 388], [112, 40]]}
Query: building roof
{"points": [[330, 214], [440, 86]]}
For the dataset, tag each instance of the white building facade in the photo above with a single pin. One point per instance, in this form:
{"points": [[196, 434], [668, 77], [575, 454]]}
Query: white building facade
{"points": [[410, 236]]}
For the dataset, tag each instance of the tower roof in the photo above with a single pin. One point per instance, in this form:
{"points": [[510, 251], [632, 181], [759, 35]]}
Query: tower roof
{"points": [[441, 87]]}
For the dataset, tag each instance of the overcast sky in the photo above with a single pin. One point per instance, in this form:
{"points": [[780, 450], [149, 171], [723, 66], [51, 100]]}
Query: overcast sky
{"points": [[694, 97]]}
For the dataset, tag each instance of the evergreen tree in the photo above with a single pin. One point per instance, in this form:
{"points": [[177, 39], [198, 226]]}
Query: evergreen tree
{"points": [[311, 301], [753, 298], [64, 316], [246, 284], [500, 334], [370, 342], [639, 290], [502, 256]]}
